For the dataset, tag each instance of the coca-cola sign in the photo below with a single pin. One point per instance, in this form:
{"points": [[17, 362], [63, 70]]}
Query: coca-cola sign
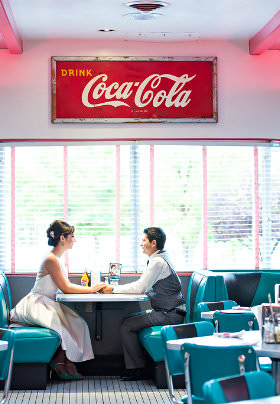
{"points": [[134, 89]]}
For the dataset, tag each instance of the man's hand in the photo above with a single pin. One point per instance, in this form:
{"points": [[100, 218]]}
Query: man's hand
{"points": [[107, 289], [97, 287]]}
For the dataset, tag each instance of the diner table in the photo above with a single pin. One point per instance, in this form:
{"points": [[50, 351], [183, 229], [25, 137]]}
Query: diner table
{"points": [[99, 299], [253, 338], [208, 315]]}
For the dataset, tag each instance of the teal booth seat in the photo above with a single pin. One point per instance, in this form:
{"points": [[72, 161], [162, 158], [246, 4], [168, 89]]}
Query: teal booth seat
{"points": [[34, 347], [248, 386], [151, 339], [35, 344]]}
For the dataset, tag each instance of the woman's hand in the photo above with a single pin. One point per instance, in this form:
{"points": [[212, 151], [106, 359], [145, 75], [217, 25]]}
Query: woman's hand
{"points": [[107, 289], [97, 287]]}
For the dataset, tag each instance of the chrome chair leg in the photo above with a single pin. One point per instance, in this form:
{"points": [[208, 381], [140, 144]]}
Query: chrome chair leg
{"points": [[170, 386], [216, 326], [187, 377], [8, 380]]}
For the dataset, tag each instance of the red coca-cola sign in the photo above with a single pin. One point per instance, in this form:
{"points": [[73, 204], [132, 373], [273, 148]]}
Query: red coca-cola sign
{"points": [[130, 89]]}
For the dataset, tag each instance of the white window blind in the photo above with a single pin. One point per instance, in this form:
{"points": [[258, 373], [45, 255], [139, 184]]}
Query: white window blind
{"points": [[269, 163], [219, 205], [39, 199], [134, 204], [5, 209], [230, 190], [91, 205], [178, 202]]}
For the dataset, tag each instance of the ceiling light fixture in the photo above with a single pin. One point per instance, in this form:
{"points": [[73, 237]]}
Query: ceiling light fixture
{"points": [[106, 30], [147, 6], [145, 10]]}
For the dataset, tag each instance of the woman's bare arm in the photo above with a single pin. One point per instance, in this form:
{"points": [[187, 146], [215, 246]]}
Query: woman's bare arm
{"points": [[52, 266]]}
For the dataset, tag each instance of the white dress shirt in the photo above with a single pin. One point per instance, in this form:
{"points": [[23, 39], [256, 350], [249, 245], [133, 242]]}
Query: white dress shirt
{"points": [[157, 269]]}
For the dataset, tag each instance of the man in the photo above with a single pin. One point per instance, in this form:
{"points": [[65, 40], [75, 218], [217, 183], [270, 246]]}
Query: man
{"points": [[161, 283]]}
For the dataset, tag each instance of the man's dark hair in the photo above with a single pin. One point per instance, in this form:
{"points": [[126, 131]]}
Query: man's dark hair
{"points": [[156, 233]]}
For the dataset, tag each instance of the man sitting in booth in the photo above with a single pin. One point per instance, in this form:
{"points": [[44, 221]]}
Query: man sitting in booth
{"points": [[163, 286]]}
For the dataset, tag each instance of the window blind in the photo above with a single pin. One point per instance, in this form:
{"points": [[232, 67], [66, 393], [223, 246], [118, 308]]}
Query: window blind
{"points": [[230, 180], [178, 202], [219, 205], [269, 208], [91, 201], [5, 209], [39, 199]]}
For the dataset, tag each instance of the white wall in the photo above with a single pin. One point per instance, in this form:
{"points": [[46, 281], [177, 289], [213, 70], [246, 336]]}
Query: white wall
{"points": [[248, 92]]}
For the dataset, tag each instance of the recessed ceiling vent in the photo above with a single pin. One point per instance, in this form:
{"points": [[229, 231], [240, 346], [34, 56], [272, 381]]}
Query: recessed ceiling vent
{"points": [[147, 6]]}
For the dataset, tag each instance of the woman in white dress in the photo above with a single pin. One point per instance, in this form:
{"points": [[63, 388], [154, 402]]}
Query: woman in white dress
{"points": [[39, 307]]}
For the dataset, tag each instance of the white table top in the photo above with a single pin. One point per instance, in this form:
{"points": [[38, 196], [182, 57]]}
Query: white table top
{"points": [[249, 338], [271, 350], [100, 297], [209, 314], [3, 345]]}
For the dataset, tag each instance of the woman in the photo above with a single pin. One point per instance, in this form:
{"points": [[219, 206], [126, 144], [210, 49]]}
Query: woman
{"points": [[40, 308]]}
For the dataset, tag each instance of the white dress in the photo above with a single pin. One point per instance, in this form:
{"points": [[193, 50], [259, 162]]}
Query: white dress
{"points": [[39, 308]]}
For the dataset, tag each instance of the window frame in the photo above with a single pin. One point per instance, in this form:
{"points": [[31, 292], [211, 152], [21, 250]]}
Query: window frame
{"points": [[256, 214]]}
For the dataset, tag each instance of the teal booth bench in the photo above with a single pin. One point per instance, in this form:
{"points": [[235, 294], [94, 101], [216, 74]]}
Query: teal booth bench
{"points": [[34, 347], [203, 286]]}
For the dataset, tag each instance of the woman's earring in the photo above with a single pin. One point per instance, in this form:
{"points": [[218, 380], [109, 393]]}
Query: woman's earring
{"points": [[62, 244]]}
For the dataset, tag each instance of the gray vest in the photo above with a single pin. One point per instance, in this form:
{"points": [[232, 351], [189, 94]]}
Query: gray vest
{"points": [[166, 293]]}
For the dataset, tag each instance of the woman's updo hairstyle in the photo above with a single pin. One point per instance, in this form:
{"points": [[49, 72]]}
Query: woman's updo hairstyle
{"points": [[56, 229]]}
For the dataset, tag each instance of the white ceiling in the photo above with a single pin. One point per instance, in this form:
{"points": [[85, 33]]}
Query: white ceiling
{"points": [[181, 20]]}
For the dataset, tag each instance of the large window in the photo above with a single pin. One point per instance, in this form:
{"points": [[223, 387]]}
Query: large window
{"points": [[219, 205]]}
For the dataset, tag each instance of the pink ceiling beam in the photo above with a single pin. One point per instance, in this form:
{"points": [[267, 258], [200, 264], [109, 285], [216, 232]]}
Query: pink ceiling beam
{"points": [[266, 37], [8, 28]]}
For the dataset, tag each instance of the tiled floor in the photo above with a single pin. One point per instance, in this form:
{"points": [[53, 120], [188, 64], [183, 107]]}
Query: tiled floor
{"points": [[94, 389]]}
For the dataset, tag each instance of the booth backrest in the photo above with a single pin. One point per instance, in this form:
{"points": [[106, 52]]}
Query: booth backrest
{"points": [[250, 288], [246, 288], [204, 286]]}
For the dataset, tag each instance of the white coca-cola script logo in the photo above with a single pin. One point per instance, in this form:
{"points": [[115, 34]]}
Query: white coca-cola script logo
{"points": [[145, 93]]}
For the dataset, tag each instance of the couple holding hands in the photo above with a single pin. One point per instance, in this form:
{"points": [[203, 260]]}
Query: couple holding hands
{"points": [[39, 307]]}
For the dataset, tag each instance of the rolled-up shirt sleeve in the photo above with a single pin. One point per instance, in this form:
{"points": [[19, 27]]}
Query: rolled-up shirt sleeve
{"points": [[157, 269]]}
